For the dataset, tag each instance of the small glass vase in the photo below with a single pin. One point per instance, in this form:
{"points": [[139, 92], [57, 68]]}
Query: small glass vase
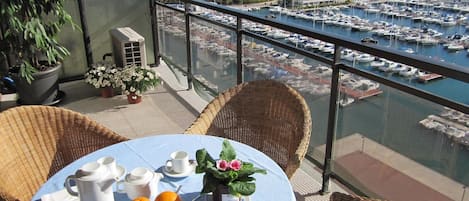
{"points": [[133, 98], [222, 193], [107, 92]]}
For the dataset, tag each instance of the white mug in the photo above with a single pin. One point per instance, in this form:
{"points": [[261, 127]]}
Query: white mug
{"points": [[179, 162], [140, 182]]}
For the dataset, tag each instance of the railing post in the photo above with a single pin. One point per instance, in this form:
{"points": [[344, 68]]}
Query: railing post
{"points": [[188, 45], [239, 51], [463, 192], [331, 122], [154, 32], [86, 34]]}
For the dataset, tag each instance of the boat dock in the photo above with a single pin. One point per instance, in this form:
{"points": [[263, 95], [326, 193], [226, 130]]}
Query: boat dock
{"points": [[354, 93], [429, 77], [452, 123]]}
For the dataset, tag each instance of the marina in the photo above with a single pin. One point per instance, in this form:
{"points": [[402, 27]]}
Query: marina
{"points": [[380, 116]]}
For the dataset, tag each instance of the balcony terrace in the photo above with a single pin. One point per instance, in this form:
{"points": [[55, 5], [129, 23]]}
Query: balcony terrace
{"points": [[375, 132], [168, 109]]}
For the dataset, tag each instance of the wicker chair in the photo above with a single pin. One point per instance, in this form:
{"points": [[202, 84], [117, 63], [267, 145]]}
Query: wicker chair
{"points": [[38, 141], [337, 196], [265, 114]]}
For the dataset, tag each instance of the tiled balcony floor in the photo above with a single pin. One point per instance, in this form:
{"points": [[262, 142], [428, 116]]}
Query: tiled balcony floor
{"points": [[161, 112]]}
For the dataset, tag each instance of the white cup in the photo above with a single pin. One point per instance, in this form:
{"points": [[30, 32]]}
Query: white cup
{"points": [[179, 162], [110, 163], [139, 182]]}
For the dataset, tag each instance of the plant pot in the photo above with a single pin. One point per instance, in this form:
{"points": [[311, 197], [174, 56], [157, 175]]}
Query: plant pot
{"points": [[107, 92], [222, 193], [43, 90], [133, 98]]}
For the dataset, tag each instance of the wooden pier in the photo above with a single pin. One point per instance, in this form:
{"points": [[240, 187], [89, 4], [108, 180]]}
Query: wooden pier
{"points": [[429, 77]]}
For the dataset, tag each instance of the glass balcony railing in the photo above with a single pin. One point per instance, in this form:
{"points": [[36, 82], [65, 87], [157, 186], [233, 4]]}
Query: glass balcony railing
{"points": [[386, 123]]}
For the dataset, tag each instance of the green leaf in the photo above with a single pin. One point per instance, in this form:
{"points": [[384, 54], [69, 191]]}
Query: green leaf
{"points": [[228, 153], [243, 188], [203, 158], [224, 176]]}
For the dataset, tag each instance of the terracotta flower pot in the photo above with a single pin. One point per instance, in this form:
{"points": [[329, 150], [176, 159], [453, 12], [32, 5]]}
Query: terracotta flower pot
{"points": [[133, 98], [107, 92]]}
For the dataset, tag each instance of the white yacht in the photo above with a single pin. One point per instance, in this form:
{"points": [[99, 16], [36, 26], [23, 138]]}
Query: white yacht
{"points": [[378, 63], [408, 72], [365, 58]]}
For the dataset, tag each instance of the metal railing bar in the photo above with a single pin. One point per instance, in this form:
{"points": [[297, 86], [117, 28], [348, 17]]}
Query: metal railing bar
{"points": [[239, 51], [154, 32], [85, 33], [213, 22], [289, 47], [169, 7], [331, 122], [188, 45], [227, 10], [408, 89], [445, 69]]}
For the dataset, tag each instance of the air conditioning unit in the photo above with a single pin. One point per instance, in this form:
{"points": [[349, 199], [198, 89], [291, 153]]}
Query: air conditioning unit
{"points": [[128, 47]]}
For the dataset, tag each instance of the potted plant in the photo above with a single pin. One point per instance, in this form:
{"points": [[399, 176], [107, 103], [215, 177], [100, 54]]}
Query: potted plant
{"points": [[227, 176], [103, 76], [135, 80], [30, 31]]}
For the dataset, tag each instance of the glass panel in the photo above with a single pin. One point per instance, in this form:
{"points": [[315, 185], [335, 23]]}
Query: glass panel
{"points": [[400, 147], [103, 16], [172, 36], [262, 60], [214, 53], [75, 64]]}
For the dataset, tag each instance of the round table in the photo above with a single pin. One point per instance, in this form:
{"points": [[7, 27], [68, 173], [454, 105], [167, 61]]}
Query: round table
{"points": [[153, 152]]}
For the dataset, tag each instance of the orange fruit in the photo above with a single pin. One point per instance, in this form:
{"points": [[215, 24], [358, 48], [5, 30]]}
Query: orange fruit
{"points": [[168, 196], [141, 199]]}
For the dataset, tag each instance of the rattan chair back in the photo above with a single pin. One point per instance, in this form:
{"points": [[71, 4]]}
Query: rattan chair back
{"points": [[337, 196], [267, 115], [38, 141]]}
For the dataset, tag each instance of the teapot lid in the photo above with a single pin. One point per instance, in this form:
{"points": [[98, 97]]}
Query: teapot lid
{"points": [[91, 171]]}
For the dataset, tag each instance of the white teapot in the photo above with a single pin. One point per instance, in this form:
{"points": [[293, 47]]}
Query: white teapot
{"points": [[94, 183]]}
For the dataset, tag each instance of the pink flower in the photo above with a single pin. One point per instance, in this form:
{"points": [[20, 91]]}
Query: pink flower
{"points": [[222, 165], [235, 165]]}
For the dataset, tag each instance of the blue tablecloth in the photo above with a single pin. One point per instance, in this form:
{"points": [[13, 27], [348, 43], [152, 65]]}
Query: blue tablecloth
{"points": [[152, 152]]}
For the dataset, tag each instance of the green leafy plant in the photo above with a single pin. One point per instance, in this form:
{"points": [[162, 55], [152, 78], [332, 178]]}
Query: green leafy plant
{"points": [[227, 170], [30, 29]]}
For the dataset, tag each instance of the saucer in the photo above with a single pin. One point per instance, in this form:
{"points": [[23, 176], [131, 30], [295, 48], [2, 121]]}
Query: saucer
{"points": [[190, 171]]}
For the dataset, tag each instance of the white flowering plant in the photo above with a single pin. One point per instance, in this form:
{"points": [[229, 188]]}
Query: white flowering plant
{"points": [[102, 75], [138, 79]]}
